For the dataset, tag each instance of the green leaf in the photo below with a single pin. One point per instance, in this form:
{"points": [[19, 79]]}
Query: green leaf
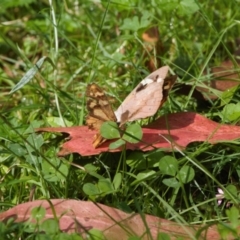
{"points": [[38, 213], [130, 24], [154, 157], [92, 170], [188, 7], [90, 167], [3, 227], [90, 189], [136, 160], [62, 236], [145, 175], [117, 180], [49, 226], [228, 94], [233, 216], [43, 236], [30, 227], [110, 130], [62, 171], [134, 24], [34, 124], [95, 234], [146, 19], [233, 190], [163, 236], [30, 74], [17, 149], [121, 5], [168, 165], [224, 230], [55, 170], [34, 142], [17, 3], [95, 174], [33, 159], [57, 121], [230, 112], [171, 182], [117, 144], [186, 174], [75, 236], [168, 6], [133, 133], [105, 186]]}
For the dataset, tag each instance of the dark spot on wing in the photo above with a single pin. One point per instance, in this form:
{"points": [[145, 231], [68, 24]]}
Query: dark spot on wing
{"points": [[124, 117], [156, 78], [141, 87]]}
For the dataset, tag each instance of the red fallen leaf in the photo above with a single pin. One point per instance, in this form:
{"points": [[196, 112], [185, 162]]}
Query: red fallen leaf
{"points": [[180, 128], [82, 216]]}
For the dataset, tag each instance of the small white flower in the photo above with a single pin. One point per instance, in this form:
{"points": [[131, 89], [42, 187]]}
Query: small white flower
{"points": [[220, 196]]}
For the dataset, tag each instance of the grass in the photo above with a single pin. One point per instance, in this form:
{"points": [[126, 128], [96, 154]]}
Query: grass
{"points": [[101, 42]]}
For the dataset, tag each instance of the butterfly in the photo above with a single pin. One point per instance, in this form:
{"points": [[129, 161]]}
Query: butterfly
{"points": [[99, 111], [144, 101], [147, 97]]}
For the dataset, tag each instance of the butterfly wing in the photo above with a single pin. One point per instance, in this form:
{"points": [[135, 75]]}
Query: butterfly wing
{"points": [[146, 98], [168, 83], [142, 102], [99, 111]]}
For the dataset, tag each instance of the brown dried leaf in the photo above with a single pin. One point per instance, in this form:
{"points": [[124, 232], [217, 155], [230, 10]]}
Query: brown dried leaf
{"points": [[225, 76], [153, 47]]}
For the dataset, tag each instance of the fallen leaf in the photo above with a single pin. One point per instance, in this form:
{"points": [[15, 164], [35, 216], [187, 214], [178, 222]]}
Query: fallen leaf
{"points": [[153, 47], [224, 77], [180, 128], [82, 216]]}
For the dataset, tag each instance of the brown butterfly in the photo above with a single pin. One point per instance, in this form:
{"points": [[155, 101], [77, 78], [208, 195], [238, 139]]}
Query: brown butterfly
{"points": [[99, 111], [144, 101]]}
